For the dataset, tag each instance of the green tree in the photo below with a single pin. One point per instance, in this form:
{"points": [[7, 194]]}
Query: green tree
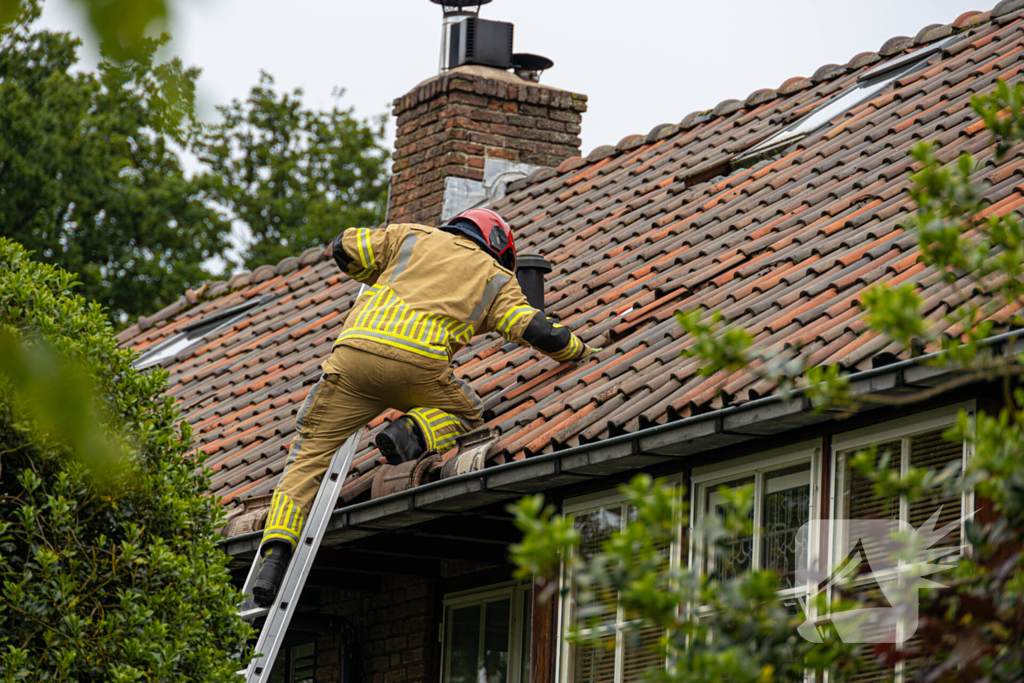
{"points": [[292, 176], [972, 630], [120, 25], [89, 179], [104, 575]]}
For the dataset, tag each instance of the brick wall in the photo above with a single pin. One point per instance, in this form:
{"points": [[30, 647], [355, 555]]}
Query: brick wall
{"points": [[449, 125], [396, 631]]}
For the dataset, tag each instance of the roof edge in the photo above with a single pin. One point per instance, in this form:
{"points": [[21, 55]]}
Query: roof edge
{"points": [[630, 448]]}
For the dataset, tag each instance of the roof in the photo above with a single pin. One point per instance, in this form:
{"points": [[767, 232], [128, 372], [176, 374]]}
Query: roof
{"points": [[657, 223]]}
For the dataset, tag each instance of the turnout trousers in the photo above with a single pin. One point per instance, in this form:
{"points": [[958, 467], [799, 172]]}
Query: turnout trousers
{"points": [[356, 387]]}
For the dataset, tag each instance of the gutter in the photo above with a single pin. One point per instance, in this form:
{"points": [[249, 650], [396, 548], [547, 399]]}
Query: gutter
{"points": [[689, 436]]}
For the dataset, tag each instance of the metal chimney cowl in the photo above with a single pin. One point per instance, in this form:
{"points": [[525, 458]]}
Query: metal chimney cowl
{"points": [[455, 11], [473, 40]]}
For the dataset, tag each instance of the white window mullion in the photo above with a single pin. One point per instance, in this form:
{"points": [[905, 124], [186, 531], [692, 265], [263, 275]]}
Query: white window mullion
{"points": [[620, 613], [904, 472], [480, 638], [966, 500], [755, 533]]}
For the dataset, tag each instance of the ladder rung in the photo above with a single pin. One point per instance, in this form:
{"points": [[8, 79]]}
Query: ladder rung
{"points": [[254, 613]]}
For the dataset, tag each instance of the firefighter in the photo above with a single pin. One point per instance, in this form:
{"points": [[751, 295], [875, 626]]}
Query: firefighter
{"points": [[430, 290]]}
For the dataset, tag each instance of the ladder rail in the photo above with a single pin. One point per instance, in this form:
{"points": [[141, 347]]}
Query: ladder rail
{"points": [[279, 615]]}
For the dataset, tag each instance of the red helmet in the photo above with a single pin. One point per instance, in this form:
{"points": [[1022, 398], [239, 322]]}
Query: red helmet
{"points": [[497, 235]]}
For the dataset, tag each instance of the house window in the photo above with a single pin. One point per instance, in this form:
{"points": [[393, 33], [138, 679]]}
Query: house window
{"points": [[295, 664], [916, 442], [169, 348], [486, 636], [866, 87], [622, 651], [785, 499]]}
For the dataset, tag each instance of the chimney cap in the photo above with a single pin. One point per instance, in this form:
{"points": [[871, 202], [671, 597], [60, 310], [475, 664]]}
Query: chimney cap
{"points": [[459, 6], [530, 62]]}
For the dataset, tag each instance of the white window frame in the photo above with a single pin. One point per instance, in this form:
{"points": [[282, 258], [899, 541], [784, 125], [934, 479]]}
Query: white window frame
{"points": [[902, 429], [516, 591], [588, 503], [180, 341], [866, 88], [705, 479]]}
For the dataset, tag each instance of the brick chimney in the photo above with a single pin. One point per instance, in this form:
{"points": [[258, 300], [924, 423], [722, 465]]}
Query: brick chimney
{"points": [[465, 134]]}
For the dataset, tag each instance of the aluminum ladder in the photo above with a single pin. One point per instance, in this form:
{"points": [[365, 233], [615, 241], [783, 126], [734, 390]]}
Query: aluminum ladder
{"points": [[279, 615]]}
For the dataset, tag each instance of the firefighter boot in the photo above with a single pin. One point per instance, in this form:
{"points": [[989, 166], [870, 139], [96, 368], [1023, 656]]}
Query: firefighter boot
{"points": [[275, 564], [401, 441]]}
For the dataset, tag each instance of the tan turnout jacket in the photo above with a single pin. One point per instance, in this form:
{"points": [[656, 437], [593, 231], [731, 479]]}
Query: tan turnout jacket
{"points": [[429, 293]]}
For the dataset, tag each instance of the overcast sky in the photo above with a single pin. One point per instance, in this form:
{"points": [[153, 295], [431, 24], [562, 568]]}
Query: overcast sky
{"points": [[642, 62]]}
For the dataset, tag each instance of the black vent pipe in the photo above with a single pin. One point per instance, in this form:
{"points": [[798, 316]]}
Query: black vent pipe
{"points": [[530, 270]]}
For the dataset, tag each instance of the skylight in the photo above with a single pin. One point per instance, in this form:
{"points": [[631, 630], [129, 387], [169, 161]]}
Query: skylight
{"points": [[195, 333], [866, 87]]}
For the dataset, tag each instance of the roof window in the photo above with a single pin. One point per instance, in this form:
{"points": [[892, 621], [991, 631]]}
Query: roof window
{"points": [[866, 87], [194, 333]]}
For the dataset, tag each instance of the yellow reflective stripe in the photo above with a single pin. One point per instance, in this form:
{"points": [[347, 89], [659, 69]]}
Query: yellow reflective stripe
{"points": [[284, 521], [289, 538], [397, 342], [465, 333], [382, 308], [365, 249], [364, 314], [569, 351], [432, 421], [512, 316], [442, 420], [428, 334], [419, 327], [410, 324], [389, 312], [360, 249], [369, 250], [445, 443]]}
